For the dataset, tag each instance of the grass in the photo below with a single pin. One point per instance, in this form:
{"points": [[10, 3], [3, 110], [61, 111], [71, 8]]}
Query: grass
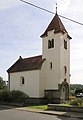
{"points": [[44, 107], [63, 104], [38, 107]]}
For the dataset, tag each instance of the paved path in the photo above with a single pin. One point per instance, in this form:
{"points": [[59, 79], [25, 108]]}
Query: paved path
{"points": [[58, 113], [68, 115], [14, 114]]}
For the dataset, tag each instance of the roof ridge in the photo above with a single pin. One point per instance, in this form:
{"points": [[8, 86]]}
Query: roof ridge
{"points": [[27, 64], [60, 23], [32, 57], [55, 24]]}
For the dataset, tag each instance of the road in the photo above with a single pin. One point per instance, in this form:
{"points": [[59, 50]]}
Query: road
{"points": [[13, 114]]}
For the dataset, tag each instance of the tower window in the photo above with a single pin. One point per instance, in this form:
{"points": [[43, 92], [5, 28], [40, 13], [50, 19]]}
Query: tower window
{"points": [[50, 65], [65, 44], [65, 69], [22, 80], [50, 43]]}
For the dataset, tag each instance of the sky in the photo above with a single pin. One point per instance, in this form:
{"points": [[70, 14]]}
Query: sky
{"points": [[21, 26]]}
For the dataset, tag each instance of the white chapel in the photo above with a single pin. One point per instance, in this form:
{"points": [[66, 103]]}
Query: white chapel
{"points": [[47, 74]]}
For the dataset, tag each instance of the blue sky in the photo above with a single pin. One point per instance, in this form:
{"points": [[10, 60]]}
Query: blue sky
{"points": [[21, 26]]}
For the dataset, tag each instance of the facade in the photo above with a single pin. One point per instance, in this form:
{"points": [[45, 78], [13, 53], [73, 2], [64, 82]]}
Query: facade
{"points": [[47, 74]]}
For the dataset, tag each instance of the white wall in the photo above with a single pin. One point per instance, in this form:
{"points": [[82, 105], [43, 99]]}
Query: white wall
{"points": [[58, 56], [52, 55], [31, 86], [42, 79], [65, 59]]}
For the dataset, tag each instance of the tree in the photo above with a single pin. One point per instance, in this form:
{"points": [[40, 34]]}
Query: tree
{"points": [[76, 86], [2, 84]]}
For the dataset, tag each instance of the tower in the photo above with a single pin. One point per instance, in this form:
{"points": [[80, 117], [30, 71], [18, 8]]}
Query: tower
{"points": [[56, 51]]}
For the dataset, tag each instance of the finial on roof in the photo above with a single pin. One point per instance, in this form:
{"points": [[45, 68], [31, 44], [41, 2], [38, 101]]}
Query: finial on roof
{"points": [[20, 57], [56, 8]]}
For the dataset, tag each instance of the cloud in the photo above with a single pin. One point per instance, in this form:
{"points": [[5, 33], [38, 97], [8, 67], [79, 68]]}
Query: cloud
{"points": [[63, 5], [4, 4]]}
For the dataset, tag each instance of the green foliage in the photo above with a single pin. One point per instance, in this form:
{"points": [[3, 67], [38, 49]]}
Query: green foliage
{"points": [[72, 92], [2, 84], [13, 96], [18, 96], [38, 107], [76, 102], [76, 86], [5, 96]]}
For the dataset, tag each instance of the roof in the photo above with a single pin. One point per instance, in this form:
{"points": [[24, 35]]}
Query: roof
{"points": [[56, 25], [32, 63]]}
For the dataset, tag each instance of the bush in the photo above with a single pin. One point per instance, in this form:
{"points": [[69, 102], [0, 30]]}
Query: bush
{"points": [[18, 96], [5, 96], [13, 96], [76, 102]]}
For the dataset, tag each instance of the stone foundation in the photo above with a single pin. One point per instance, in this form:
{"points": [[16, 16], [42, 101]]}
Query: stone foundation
{"points": [[53, 96], [65, 108], [36, 101]]}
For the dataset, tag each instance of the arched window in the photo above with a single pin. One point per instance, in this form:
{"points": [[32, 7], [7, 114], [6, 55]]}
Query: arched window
{"points": [[49, 44], [52, 43], [22, 80], [65, 80], [65, 69], [50, 65], [65, 44]]}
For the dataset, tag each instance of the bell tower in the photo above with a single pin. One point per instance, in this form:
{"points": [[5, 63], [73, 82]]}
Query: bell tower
{"points": [[56, 51]]}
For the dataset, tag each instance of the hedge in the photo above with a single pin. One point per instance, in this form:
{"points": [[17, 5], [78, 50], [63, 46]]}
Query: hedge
{"points": [[14, 96]]}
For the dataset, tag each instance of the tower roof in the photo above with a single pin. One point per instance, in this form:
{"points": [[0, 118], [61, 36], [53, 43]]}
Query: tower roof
{"points": [[56, 25]]}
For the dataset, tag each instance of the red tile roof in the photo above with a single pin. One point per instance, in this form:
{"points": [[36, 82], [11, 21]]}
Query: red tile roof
{"points": [[32, 63], [56, 25]]}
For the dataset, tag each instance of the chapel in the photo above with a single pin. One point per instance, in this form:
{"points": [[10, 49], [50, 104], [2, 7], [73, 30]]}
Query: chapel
{"points": [[47, 75]]}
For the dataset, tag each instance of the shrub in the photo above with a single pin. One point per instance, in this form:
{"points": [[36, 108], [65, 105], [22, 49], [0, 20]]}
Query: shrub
{"points": [[13, 96], [76, 102], [5, 96], [18, 96]]}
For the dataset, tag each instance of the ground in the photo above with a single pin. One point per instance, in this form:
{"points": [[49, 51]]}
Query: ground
{"points": [[14, 114]]}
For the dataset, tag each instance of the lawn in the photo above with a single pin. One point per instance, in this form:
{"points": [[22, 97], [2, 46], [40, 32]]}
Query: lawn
{"points": [[38, 107], [44, 106]]}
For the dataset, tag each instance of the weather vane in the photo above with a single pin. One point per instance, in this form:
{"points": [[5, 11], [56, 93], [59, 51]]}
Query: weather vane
{"points": [[56, 8], [51, 11]]}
